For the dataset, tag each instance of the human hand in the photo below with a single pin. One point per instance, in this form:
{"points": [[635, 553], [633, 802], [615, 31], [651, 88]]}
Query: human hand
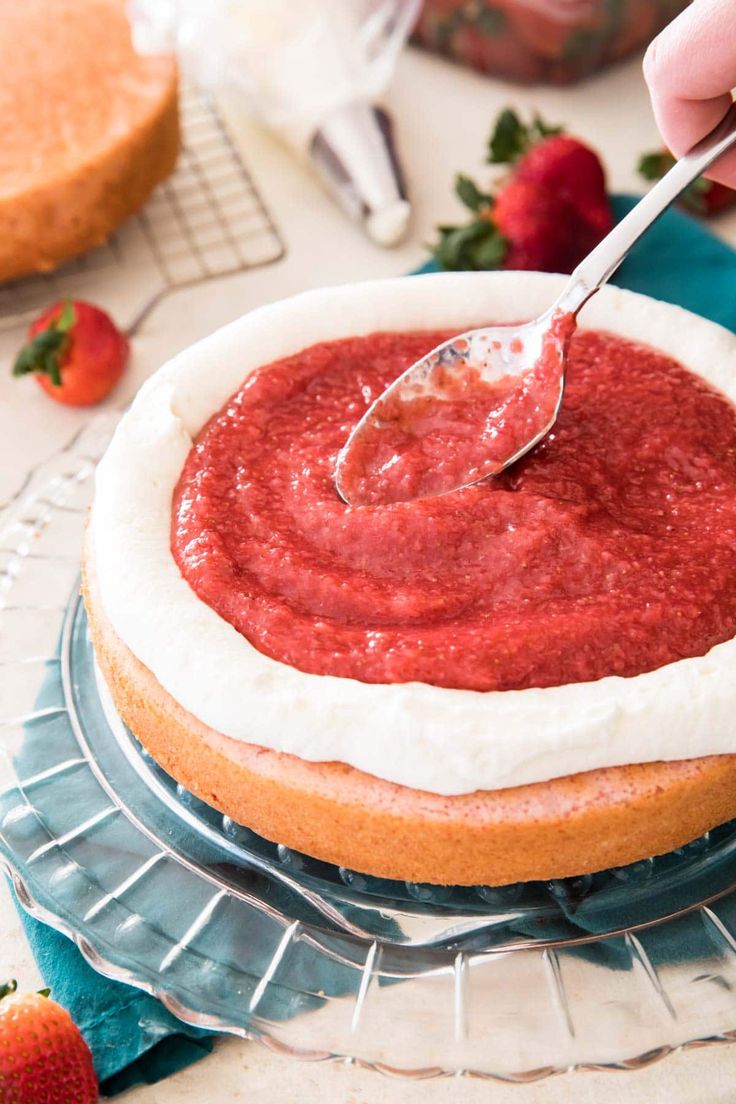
{"points": [[690, 69]]}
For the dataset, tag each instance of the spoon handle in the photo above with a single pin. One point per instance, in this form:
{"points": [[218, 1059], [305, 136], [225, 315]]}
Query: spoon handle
{"points": [[603, 261]]}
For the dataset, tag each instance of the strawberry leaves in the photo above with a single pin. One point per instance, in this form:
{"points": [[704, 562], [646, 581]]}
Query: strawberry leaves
{"points": [[474, 247], [652, 166], [477, 246], [511, 138], [45, 352], [470, 194]]}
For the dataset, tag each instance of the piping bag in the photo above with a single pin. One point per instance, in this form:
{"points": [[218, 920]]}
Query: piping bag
{"points": [[311, 71]]}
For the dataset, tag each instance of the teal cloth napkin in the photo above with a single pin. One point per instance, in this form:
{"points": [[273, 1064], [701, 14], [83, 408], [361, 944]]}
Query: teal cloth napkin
{"points": [[132, 1036], [681, 261]]}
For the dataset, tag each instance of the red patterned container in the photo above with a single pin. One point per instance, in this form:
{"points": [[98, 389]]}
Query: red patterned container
{"points": [[552, 41]]}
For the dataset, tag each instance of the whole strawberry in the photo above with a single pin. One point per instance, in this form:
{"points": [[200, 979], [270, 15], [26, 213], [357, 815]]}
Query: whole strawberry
{"points": [[76, 353], [542, 230], [43, 1057], [547, 213], [569, 170]]}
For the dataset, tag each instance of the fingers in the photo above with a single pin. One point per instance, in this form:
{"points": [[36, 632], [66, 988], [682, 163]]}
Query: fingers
{"points": [[690, 69]]}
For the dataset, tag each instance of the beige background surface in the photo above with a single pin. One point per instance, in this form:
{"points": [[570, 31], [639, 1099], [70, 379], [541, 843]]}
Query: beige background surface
{"points": [[443, 116]]}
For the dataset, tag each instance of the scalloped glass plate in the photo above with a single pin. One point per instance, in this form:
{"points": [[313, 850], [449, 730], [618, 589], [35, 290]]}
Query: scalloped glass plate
{"points": [[238, 934]]}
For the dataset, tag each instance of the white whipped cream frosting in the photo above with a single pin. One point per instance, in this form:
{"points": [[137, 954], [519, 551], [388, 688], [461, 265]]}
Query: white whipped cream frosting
{"points": [[422, 736]]}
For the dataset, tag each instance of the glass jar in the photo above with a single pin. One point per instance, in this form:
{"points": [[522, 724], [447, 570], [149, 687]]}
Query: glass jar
{"points": [[551, 41]]}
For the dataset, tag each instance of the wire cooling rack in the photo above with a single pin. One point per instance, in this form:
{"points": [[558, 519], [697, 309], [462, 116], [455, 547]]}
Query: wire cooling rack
{"points": [[207, 220]]}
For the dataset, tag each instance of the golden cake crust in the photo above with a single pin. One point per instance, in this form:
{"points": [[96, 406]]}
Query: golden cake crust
{"points": [[567, 826], [90, 128]]}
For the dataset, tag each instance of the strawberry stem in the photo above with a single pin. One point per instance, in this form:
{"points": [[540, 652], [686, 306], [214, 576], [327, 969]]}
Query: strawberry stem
{"points": [[8, 987]]}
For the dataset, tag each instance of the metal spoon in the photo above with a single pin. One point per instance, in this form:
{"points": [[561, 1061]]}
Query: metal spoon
{"points": [[481, 400]]}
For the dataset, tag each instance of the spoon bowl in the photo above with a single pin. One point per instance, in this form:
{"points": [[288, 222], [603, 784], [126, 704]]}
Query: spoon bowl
{"points": [[465, 411]]}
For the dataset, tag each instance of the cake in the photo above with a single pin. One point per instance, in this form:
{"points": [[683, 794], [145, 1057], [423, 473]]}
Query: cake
{"points": [[527, 679], [89, 129]]}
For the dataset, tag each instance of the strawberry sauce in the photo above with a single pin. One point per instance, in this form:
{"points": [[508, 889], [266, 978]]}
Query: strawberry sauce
{"points": [[609, 549]]}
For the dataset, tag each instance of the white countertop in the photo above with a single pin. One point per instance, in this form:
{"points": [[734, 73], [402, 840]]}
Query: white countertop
{"points": [[443, 115]]}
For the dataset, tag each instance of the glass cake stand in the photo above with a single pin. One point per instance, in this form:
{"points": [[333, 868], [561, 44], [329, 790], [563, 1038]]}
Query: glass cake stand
{"points": [[231, 932]]}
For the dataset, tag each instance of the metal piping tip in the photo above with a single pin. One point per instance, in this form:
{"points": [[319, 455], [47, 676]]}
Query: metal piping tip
{"points": [[353, 151]]}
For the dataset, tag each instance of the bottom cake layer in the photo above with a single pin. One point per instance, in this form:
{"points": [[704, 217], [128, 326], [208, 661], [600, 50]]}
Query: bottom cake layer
{"points": [[567, 826]]}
